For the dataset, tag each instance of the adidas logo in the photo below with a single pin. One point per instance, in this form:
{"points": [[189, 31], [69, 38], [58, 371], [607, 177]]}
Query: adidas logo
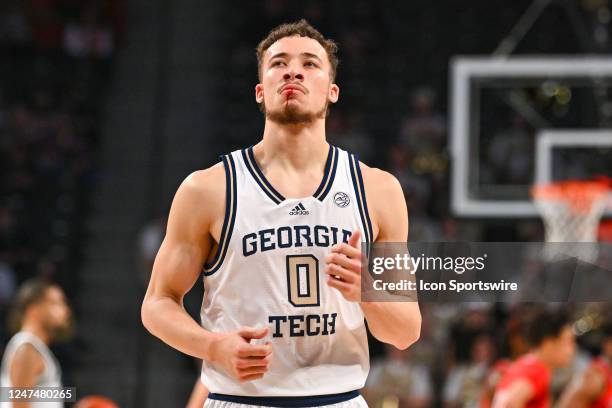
{"points": [[299, 210]]}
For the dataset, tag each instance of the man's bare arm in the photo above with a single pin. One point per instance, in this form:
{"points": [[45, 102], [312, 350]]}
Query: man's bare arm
{"points": [[517, 395], [26, 366], [396, 323], [179, 263], [583, 391], [198, 205]]}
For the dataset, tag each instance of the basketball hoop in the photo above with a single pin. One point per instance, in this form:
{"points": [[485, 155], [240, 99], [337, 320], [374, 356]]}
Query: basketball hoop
{"points": [[571, 211]]}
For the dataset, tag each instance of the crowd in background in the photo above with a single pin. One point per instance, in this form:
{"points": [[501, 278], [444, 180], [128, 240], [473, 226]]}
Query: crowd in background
{"points": [[55, 60]]}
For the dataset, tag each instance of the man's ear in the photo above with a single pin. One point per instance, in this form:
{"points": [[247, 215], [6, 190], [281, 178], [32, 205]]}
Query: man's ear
{"points": [[334, 93], [259, 95]]}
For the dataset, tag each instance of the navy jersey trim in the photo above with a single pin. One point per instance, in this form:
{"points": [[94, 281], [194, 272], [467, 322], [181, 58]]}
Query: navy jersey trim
{"points": [[328, 174], [361, 200], [309, 401], [253, 167], [231, 205]]}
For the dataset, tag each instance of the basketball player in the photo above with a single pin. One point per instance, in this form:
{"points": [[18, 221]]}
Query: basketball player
{"points": [[43, 316], [593, 387], [279, 227], [526, 382]]}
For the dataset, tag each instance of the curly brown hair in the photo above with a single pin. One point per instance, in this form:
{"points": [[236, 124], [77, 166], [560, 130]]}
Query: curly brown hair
{"points": [[303, 29]]}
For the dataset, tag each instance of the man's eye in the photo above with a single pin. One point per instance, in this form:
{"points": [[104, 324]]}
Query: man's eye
{"points": [[310, 64], [277, 63]]}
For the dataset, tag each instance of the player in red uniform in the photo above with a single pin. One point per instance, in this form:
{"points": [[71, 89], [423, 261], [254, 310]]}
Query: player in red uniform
{"points": [[526, 382], [593, 387]]}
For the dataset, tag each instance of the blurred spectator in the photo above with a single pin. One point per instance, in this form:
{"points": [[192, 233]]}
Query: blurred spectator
{"points": [[395, 381], [463, 383], [89, 37], [423, 135], [41, 316], [475, 320], [422, 141], [416, 188]]}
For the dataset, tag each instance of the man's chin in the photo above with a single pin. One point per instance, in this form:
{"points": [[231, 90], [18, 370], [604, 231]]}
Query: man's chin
{"points": [[291, 114], [291, 117], [63, 333]]}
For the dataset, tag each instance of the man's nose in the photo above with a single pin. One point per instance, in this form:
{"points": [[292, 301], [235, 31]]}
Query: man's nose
{"points": [[293, 73]]}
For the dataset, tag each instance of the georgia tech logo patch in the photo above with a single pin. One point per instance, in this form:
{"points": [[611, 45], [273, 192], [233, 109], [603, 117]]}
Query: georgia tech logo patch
{"points": [[342, 199]]}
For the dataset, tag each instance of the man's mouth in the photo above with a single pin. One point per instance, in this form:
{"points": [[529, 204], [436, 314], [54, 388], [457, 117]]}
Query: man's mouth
{"points": [[289, 89]]}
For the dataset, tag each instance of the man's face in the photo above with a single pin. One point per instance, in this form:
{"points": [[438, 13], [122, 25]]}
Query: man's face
{"points": [[564, 347], [55, 312], [295, 83]]}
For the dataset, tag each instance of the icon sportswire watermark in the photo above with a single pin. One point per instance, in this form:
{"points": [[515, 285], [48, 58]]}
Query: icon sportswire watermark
{"points": [[486, 272]]}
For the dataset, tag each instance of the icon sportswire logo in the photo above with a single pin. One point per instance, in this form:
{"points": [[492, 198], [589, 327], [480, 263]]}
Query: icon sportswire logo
{"points": [[299, 210]]}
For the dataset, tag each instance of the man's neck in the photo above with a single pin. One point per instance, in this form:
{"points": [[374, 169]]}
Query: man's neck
{"points": [[36, 329], [293, 146], [544, 358]]}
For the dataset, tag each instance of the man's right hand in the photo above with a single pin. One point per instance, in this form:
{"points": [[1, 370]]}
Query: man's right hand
{"points": [[236, 356]]}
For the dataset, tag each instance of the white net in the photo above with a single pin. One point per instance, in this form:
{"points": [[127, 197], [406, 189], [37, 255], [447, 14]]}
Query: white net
{"points": [[571, 211]]}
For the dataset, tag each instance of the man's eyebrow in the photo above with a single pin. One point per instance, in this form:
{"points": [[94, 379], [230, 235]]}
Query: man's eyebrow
{"points": [[285, 55], [279, 55], [311, 55]]}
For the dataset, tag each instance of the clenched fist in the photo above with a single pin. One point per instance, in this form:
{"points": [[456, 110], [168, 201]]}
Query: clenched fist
{"points": [[237, 357]]}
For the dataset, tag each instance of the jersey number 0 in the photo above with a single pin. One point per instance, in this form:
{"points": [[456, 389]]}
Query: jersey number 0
{"points": [[303, 280]]}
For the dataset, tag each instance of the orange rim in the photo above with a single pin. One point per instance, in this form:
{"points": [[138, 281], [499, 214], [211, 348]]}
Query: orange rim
{"points": [[580, 195]]}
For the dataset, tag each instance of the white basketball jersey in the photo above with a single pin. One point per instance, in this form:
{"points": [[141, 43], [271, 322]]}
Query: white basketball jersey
{"points": [[269, 271], [50, 377]]}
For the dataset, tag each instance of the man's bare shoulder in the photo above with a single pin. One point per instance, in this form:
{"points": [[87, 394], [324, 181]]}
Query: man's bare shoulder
{"points": [[379, 181], [386, 204], [27, 356], [206, 184], [207, 180], [201, 196], [27, 353]]}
